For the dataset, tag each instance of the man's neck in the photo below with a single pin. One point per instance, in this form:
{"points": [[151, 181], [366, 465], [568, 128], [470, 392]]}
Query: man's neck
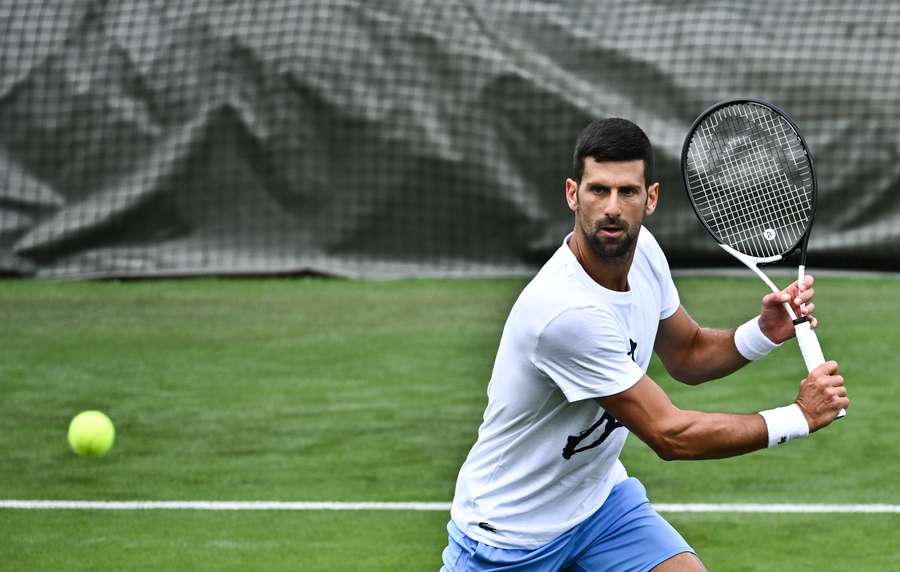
{"points": [[611, 273]]}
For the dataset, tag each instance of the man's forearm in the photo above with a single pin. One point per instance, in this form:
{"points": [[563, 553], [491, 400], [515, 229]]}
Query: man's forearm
{"points": [[699, 435], [673, 433], [711, 354]]}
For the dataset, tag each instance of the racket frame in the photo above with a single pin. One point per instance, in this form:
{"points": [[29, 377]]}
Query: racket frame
{"points": [[803, 240]]}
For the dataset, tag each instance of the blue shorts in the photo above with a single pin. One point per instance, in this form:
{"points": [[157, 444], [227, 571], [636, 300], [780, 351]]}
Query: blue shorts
{"points": [[625, 534]]}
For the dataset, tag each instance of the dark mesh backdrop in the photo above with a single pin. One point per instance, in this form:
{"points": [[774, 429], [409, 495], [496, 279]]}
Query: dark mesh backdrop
{"points": [[150, 138]]}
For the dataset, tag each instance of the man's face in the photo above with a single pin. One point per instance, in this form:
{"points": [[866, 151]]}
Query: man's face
{"points": [[610, 204]]}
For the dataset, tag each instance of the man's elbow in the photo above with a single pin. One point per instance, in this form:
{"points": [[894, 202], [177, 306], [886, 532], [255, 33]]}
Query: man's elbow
{"points": [[669, 444], [665, 451], [685, 375]]}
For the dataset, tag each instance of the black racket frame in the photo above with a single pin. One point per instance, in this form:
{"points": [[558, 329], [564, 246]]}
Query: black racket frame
{"points": [[803, 241]]}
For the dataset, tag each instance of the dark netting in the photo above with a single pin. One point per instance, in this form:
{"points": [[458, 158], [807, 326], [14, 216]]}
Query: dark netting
{"points": [[142, 138]]}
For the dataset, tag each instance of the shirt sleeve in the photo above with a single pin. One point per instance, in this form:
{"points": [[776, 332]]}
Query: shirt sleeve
{"points": [[586, 354], [669, 301]]}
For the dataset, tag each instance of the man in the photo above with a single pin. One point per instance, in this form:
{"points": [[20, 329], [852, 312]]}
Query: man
{"points": [[543, 488]]}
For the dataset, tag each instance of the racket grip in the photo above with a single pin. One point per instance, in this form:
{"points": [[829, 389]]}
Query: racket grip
{"points": [[811, 350]]}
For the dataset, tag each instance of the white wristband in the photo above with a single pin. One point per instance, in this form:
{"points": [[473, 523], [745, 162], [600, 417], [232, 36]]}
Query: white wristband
{"points": [[751, 342], [785, 424]]}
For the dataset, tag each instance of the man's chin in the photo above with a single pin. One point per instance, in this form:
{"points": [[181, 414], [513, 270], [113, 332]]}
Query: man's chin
{"points": [[606, 248]]}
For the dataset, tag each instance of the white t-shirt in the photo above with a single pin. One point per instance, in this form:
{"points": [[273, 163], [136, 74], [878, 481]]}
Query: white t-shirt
{"points": [[567, 340]]}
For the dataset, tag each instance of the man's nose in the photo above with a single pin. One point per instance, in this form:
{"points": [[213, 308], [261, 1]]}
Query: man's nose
{"points": [[612, 208]]}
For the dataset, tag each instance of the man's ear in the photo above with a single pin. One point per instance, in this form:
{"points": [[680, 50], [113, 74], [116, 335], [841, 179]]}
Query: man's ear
{"points": [[572, 194], [652, 198]]}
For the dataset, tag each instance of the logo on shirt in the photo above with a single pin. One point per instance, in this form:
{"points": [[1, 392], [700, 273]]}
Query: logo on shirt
{"points": [[572, 442], [487, 527], [631, 353]]}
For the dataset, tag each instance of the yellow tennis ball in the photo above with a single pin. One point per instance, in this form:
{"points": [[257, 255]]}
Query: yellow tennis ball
{"points": [[91, 434]]}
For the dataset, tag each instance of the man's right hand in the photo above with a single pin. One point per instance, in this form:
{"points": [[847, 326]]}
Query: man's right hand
{"points": [[822, 395]]}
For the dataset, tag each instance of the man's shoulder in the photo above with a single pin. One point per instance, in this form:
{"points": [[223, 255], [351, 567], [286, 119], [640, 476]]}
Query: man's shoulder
{"points": [[590, 320], [566, 302], [647, 242], [557, 283], [650, 254]]}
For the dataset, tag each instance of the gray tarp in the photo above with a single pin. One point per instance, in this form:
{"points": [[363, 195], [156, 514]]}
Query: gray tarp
{"points": [[358, 138]]}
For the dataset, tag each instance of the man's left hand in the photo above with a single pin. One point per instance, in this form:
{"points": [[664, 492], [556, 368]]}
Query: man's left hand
{"points": [[774, 320]]}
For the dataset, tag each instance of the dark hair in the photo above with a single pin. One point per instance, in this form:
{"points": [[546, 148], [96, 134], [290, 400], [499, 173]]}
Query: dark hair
{"points": [[613, 139]]}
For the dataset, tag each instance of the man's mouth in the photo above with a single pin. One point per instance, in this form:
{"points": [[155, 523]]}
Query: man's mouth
{"points": [[611, 231]]}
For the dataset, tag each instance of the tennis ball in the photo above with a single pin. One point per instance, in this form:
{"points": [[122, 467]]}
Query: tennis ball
{"points": [[91, 434]]}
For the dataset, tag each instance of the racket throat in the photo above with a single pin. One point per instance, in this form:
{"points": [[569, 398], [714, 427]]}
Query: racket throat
{"points": [[752, 263]]}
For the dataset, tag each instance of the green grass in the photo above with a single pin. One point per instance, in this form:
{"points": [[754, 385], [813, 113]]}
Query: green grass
{"points": [[366, 541], [350, 391]]}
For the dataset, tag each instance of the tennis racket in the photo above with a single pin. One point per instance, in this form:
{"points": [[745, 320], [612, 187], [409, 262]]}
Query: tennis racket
{"points": [[750, 179]]}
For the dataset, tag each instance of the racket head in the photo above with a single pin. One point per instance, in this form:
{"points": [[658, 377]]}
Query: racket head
{"points": [[750, 178]]}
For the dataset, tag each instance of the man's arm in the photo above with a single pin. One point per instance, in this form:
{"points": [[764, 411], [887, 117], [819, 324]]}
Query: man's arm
{"points": [[693, 355], [673, 433]]}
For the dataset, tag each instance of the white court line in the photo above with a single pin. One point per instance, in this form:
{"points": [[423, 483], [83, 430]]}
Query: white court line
{"points": [[425, 506], [221, 505], [780, 508]]}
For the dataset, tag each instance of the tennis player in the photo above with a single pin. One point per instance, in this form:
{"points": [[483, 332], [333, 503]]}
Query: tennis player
{"points": [[543, 489]]}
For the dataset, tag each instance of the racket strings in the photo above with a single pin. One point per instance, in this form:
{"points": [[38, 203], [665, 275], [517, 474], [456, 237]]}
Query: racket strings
{"points": [[750, 179], [771, 202]]}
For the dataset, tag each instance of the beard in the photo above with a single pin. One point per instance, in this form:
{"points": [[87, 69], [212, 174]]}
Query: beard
{"points": [[613, 247]]}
